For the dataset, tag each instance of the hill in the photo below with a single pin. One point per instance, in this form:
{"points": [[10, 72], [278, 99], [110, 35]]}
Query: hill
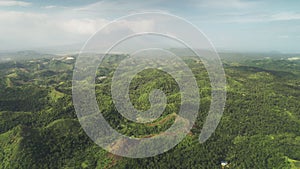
{"points": [[259, 129]]}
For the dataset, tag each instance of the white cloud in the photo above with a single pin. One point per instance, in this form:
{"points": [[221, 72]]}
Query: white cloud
{"points": [[50, 7], [283, 36], [69, 25], [14, 3], [82, 26], [256, 17], [119, 8], [224, 3], [14, 16], [29, 29], [285, 16], [42, 29], [137, 26]]}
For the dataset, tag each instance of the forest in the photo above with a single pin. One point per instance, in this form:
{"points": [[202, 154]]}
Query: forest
{"points": [[259, 129]]}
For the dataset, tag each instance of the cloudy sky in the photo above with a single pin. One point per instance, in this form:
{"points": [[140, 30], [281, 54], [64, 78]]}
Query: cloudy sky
{"points": [[237, 25]]}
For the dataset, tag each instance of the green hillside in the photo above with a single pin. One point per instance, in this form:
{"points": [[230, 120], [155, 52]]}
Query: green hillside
{"points": [[259, 129]]}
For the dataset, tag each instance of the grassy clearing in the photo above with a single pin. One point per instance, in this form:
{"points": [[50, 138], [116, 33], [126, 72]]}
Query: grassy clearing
{"points": [[55, 95], [294, 163]]}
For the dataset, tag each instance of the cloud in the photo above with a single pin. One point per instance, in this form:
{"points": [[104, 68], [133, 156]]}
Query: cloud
{"points": [[227, 21], [43, 29], [224, 3], [283, 36], [7, 3], [82, 26], [50, 7], [29, 23], [31, 29], [14, 16], [252, 17], [119, 8], [285, 16]]}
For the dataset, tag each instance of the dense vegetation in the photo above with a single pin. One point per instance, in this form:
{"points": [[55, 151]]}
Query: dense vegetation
{"points": [[259, 128]]}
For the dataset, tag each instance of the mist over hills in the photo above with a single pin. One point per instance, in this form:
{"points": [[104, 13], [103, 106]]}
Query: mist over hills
{"points": [[224, 55]]}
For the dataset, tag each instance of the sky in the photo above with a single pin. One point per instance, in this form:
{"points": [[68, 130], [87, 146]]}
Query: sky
{"points": [[232, 25]]}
